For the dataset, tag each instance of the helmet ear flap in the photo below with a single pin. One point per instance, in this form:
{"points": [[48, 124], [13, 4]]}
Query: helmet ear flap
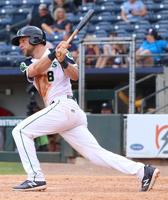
{"points": [[37, 39], [33, 40]]}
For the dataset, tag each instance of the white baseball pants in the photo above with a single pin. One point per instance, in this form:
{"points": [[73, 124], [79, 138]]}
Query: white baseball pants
{"points": [[65, 117]]}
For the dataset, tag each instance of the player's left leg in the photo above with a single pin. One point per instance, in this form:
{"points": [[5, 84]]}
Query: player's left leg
{"points": [[84, 142], [50, 120]]}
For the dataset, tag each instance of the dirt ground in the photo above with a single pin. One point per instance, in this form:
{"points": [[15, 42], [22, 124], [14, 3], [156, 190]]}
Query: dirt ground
{"points": [[84, 181]]}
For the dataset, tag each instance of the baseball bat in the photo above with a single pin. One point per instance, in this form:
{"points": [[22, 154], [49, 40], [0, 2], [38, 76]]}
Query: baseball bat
{"points": [[81, 24]]}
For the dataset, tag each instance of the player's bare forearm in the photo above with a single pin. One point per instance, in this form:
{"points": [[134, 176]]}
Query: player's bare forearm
{"points": [[39, 67], [72, 72]]}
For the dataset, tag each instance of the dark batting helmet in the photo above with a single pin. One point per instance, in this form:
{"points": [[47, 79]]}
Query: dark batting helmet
{"points": [[35, 34]]}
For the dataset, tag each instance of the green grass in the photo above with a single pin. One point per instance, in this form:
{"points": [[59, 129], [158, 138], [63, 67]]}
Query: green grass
{"points": [[11, 168]]}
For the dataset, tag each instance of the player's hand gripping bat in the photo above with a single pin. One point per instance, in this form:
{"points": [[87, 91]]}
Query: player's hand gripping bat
{"points": [[63, 46]]}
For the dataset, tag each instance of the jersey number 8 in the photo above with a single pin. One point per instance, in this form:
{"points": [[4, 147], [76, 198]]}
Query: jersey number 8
{"points": [[50, 75]]}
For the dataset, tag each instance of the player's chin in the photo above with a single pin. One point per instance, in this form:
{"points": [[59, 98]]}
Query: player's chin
{"points": [[26, 53]]}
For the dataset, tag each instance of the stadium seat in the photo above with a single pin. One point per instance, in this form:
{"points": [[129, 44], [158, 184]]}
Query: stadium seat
{"points": [[17, 17], [156, 7], [153, 18], [103, 8], [138, 43], [4, 48], [142, 25], [102, 1], [9, 9], [99, 26], [162, 15], [108, 3], [104, 18], [2, 2], [31, 2], [86, 7], [101, 33], [164, 34], [6, 20], [139, 35], [162, 25], [158, 1], [71, 17], [14, 2], [118, 1], [45, 1], [124, 26], [122, 33]]}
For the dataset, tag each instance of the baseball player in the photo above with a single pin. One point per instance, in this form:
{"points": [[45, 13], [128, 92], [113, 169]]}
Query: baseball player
{"points": [[50, 71]]}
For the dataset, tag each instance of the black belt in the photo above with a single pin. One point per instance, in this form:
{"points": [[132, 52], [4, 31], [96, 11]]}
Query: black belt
{"points": [[68, 97], [71, 97]]}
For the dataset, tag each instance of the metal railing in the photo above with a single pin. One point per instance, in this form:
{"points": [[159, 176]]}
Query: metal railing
{"points": [[143, 101], [131, 55], [127, 87]]}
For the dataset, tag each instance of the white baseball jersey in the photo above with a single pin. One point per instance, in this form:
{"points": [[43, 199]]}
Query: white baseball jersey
{"points": [[53, 82], [65, 117]]}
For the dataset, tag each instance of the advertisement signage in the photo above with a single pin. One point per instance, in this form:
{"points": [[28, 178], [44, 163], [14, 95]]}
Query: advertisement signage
{"points": [[147, 136]]}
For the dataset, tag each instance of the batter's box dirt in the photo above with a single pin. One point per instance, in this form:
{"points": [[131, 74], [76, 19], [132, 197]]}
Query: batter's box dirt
{"points": [[84, 182]]}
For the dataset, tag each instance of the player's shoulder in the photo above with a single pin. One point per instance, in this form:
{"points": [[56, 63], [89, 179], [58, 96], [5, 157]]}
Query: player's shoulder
{"points": [[25, 64]]}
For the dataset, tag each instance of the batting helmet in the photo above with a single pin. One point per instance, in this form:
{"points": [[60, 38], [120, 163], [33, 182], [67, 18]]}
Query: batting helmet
{"points": [[35, 34]]}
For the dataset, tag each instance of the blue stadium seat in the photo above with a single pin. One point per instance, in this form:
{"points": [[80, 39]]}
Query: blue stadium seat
{"points": [[31, 2], [15, 2], [104, 16], [85, 7], [6, 20], [162, 15], [24, 10], [102, 1], [142, 25], [108, 3], [139, 35], [155, 7], [162, 25], [153, 17], [100, 26], [8, 9], [103, 8], [2, 2], [101, 33], [46, 1], [138, 43], [5, 61], [158, 1], [17, 17], [124, 26], [116, 9], [118, 1], [70, 16], [4, 48], [164, 34], [122, 33]]}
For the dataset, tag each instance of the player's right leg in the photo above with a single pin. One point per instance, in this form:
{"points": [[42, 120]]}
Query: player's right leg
{"points": [[84, 142]]}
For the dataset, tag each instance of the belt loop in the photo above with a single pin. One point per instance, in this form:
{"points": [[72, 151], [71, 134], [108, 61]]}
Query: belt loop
{"points": [[71, 97]]}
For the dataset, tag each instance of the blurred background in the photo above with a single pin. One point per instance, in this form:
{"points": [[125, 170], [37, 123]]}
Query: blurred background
{"points": [[122, 55]]}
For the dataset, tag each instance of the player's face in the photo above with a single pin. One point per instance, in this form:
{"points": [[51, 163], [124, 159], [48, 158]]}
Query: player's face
{"points": [[25, 47]]}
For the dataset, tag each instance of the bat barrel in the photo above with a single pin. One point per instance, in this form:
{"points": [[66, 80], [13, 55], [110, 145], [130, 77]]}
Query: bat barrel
{"points": [[85, 19], [82, 23]]}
